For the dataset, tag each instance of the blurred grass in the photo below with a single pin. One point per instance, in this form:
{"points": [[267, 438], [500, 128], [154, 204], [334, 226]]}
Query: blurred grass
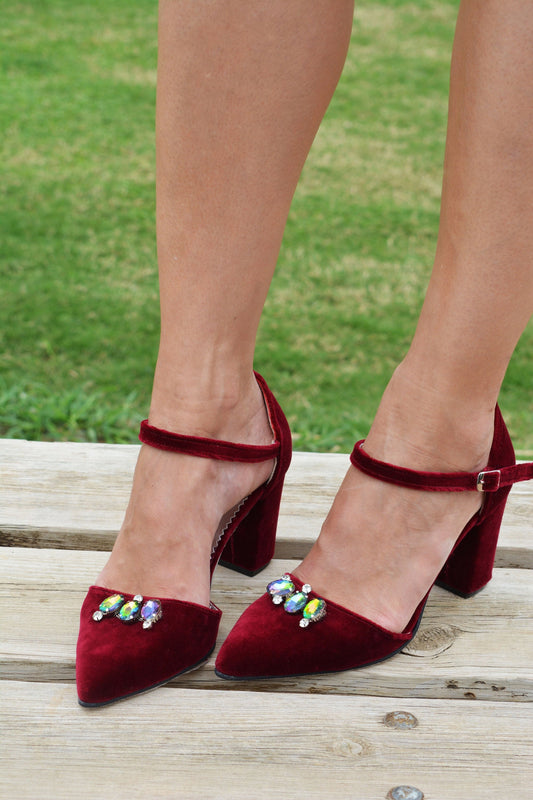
{"points": [[79, 308]]}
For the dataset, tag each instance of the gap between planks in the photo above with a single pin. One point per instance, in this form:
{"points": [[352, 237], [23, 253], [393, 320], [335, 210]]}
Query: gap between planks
{"points": [[73, 495]]}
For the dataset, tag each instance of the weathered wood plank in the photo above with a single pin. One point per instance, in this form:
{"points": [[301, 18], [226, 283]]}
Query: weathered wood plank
{"points": [[478, 648], [71, 495], [202, 744], [313, 737]]}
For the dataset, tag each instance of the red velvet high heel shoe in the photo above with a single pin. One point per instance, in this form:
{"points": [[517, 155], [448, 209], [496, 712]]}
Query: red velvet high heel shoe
{"points": [[128, 644], [277, 635]]}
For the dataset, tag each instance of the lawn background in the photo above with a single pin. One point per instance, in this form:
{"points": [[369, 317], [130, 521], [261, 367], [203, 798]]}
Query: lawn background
{"points": [[78, 303]]}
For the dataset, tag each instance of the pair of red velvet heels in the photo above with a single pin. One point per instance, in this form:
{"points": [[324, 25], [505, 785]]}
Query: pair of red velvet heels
{"points": [[129, 644]]}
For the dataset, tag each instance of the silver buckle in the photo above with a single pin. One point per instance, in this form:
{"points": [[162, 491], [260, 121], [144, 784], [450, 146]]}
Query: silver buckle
{"points": [[480, 483]]}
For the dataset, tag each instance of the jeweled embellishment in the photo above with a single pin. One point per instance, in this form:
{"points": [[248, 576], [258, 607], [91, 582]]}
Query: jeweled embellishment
{"points": [[282, 587], [108, 606], [151, 612], [295, 603], [130, 611], [284, 591], [148, 612], [314, 611]]}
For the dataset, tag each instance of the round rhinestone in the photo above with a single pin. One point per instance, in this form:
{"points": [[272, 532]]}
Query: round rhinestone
{"points": [[277, 599], [138, 598], [306, 588], [97, 616], [304, 623]]}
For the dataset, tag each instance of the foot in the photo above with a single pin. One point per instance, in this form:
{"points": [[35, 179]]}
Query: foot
{"points": [[382, 546], [177, 501]]}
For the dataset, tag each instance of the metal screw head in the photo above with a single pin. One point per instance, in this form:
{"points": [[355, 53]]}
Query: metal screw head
{"points": [[405, 793], [400, 719]]}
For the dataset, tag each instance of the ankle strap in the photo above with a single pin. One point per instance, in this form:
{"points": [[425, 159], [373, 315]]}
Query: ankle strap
{"points": [[206, 448], [489, 480]]}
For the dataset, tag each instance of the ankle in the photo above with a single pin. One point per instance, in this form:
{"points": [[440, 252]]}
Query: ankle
{"points": [[225, 406], [420, 427]]}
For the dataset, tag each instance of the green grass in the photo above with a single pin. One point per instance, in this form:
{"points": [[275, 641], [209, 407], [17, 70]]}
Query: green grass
{"points": [[79, 326]]}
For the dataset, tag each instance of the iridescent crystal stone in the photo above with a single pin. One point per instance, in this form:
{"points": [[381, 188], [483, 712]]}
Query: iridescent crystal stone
{"points": [[111, 604], [151, 612], [108, 606], [296, 602], [130, 611], [315, 610], [282, 587]]}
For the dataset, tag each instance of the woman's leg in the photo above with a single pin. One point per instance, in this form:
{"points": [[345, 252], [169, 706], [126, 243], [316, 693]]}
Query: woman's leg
{"points": [[382, 546], [242, 88]]}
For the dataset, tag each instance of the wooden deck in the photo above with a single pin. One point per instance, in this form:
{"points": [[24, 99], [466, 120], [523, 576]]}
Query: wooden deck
{"points": [[463, 686]]}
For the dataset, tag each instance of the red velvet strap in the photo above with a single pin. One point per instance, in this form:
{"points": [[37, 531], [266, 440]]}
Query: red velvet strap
{"points": [[489, 480], [206, 448]]}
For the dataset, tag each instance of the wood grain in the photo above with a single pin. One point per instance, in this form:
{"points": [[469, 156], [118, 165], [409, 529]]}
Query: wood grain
{"points": [[177, 743]]}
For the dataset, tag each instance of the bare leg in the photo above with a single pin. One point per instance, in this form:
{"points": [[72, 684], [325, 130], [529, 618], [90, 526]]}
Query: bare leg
{"points": [[382, 546], [242, 88]]}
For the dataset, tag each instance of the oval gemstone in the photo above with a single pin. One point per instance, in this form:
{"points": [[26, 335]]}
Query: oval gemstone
{"points": [[130, 611], [281, 587], [151, 611], [295, 603], [111, 604], [315, 609]]}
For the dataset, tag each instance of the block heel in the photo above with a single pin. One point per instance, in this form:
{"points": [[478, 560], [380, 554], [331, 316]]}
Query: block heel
{"points": [[251, 547], [469, 566], [277, 635]]}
